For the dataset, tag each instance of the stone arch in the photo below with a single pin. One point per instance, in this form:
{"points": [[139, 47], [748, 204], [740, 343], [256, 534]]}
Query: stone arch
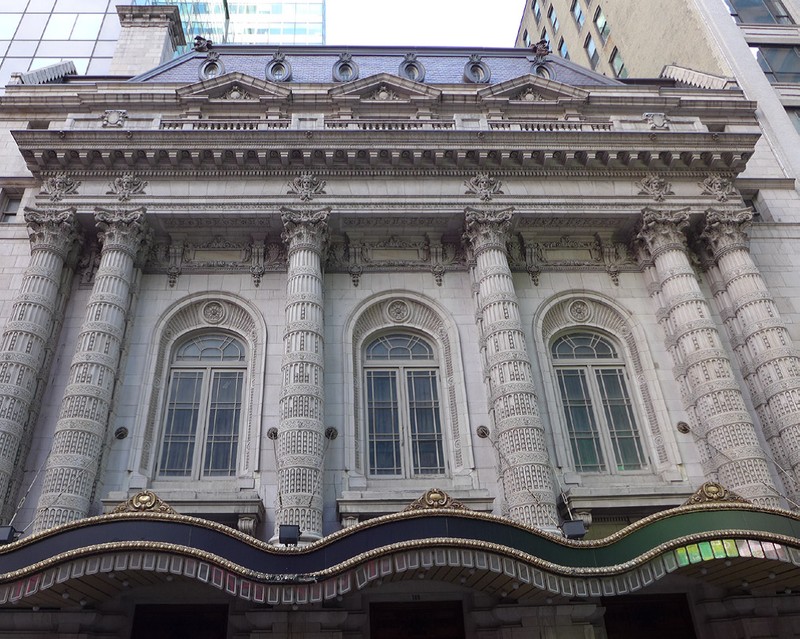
{"points": [[209, 311], [576, 309], [407, 310]]}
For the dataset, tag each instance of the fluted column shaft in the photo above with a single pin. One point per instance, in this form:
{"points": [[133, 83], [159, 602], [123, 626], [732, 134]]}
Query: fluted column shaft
{"points": [[710, 391], [770, 362], [301, 431], [527, 473], [72, 468], [23, 349]]}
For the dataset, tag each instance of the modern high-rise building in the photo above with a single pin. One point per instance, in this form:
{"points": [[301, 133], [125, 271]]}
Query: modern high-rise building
{"points": [[38, 33], [752, 44]]}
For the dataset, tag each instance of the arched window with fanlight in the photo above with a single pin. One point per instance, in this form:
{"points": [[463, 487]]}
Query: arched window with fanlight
{"points": [[599, 413], [402, 407], [202, 416]]}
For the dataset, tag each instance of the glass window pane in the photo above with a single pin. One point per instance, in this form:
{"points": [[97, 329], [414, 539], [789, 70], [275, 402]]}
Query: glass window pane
{"points": [[31, 26], [59, 27], [8, 25], [425, 423], [211, 348], [87, 26], [180, 424], [222, 438], [383, 423], [581, 424], [399, 347], [620, 419]]}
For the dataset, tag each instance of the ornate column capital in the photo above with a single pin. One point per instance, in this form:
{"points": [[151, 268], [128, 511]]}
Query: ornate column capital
{"points": [[726, 229], [663, 229], [305, 228], [56, 230], [124, 230], [487, 228]]}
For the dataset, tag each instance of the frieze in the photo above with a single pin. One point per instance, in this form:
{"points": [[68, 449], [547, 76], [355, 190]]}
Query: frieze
{"points": [[484, 186], [126, 186], [718, 186], [59, 186]]}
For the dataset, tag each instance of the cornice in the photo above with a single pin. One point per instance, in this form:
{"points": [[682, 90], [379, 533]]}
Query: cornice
{"points": [[364, 151]]}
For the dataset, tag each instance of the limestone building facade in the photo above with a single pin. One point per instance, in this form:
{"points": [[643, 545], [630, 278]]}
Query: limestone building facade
{"points": [[429, 314]]}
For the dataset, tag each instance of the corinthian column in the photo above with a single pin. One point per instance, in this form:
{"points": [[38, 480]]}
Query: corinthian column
{"points": [[73, 465], [525, 465], [710, 392], [301, 431], [23, 350], [769, 360]]}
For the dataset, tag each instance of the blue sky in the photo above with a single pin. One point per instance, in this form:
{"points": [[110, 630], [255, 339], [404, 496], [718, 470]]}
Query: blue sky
{"points": [[478, 23]]}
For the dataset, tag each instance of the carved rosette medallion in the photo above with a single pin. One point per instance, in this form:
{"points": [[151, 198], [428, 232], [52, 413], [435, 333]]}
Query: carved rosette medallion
{"points": [[726, 230], [655, 186], [483, 186], [580, 311], [398, 311], [59, 186], [435, 499], [214, 312], [145, 502]]}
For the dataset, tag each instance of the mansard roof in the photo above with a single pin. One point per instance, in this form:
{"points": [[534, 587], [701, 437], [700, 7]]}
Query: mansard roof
{"points": [[315, 64]]}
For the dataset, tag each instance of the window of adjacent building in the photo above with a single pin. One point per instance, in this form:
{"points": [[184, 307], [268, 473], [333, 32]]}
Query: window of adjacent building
{"points": [[10, 202], [546, 37], [553, 17], [779, 63], [562, 49], [591, 51], [577, 13], [602, 24], [794, 116], [200, 437], [404, 424], [617, 64], [598, 411], [536, 7], [526, 38], [759, 11]]}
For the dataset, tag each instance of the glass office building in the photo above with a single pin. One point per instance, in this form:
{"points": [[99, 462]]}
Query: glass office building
{"points": [[38, 33]]}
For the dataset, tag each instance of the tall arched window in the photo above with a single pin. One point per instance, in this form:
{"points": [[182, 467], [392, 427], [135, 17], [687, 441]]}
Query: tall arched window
{"points": [[404, 424], [200, 435], [601, 421]]}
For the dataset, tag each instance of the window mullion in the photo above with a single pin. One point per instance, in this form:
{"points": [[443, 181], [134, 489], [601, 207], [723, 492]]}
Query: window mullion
{"points": [[201, 432], [603, 427]]}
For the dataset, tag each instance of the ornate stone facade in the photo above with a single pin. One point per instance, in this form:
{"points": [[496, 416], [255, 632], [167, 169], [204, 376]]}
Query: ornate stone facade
{"points": [[310, 299]]}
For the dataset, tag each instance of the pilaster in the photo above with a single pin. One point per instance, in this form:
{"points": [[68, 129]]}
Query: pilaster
{"points": [[769, 360], [709, 389], [72, 467], [525, 465], [301, 431], [54, 235]]}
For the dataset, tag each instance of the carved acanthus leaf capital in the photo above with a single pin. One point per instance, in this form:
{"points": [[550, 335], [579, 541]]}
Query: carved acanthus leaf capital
{"points": [[54, 229], [663, 229], [484, 228], [125, 230], [725, 230], [305, 226]]}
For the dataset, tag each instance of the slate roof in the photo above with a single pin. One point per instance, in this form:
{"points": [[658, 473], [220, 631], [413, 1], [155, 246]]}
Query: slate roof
{"points": [[315, 64]]}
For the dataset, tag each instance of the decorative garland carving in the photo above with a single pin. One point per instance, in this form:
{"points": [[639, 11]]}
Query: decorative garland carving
{"points": [[59, 186], [126, 186], [655, 186], [720, 187], [435, 499], [484, 186], [307, 186], [145, 501]]}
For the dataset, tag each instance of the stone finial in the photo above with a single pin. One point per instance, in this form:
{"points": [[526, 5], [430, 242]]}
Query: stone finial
{"points": [[712, 492], [202, 44], [435, 499], [145, 501], [541, 49]]}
